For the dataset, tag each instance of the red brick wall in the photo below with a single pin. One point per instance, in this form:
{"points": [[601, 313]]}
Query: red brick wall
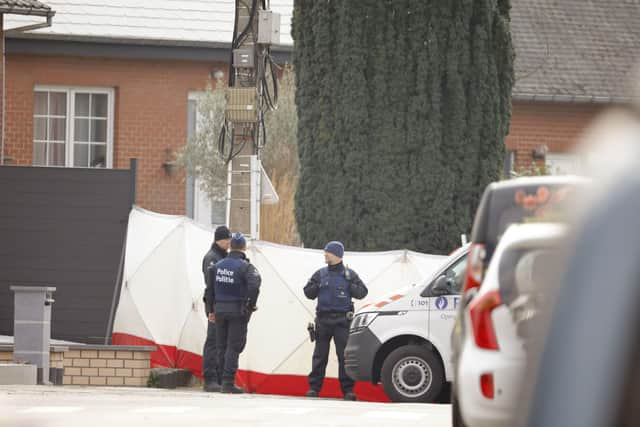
{"points": [[558, 126], [150, 113]]}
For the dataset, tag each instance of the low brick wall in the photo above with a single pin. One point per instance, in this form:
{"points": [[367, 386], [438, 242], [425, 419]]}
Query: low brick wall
{"points": [[99, 365], [56, 356], [107, 365], [56, 359]]}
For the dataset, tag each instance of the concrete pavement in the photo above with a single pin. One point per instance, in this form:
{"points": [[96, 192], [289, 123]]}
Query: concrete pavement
{"points": [[31, 406]]}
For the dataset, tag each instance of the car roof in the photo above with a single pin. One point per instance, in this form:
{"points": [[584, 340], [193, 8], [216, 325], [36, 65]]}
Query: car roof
{"points": [[537, 180], [532, 233]]}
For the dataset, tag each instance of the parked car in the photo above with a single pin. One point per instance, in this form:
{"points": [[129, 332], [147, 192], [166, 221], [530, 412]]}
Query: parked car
{"points": [[586, 361], [528, 199], [492, 356], [403, 342], [519, 200]]}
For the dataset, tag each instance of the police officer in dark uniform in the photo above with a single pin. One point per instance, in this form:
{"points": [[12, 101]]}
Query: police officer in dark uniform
{"points": [[334, 286], [235, 294], [218, 251]]}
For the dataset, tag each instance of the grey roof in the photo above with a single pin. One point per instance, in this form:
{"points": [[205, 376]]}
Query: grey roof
{"points": [[25, 7], [575, 50], [164, 22], [566, 50]]}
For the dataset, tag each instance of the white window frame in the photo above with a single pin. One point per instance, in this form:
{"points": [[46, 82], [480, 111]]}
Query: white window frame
{"points": [[71, 91], [565, 159], [200, 205]]}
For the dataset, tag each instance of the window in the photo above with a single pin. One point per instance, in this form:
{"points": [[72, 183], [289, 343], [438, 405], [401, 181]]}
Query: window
{"points": [[456, 273], [563, 163], [73, 127], [200, 207]]}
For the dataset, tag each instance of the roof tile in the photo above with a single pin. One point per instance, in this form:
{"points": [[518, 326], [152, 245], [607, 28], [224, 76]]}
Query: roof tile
{"points": [[570, 49]]}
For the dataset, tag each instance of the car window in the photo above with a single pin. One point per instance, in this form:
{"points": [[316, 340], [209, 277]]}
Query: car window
{"points": [[540, 274], [503, 206]]}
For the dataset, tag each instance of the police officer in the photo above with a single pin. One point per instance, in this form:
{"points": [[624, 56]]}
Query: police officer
{"points": [[334, 286], [218, 251], [235, 294]]}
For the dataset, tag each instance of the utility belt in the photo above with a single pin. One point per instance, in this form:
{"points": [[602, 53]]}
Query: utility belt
{"points": [[335, 314], [242, 307], [328, 316]]}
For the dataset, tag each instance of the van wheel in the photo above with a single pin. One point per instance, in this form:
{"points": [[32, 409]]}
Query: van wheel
{"points": [[412, 373]]}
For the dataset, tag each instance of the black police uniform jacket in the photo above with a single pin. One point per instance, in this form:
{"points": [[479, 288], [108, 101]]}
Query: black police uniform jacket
{"points": [[235, 285], [335, 286], [215, 254]]}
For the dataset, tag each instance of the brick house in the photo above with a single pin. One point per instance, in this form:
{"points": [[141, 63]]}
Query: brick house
{"points": [[110, 81], [573, 59], [114, 80]]}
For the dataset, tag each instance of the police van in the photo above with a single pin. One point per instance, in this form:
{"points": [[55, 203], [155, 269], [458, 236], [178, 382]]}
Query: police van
{"points": [[404, 340]]}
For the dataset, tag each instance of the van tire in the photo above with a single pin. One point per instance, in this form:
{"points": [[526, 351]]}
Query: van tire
{"points": [[412, 373]]}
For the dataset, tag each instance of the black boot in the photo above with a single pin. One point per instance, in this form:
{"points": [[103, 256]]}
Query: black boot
{"points": [[231, 388], [212, 387], [349, 396]]}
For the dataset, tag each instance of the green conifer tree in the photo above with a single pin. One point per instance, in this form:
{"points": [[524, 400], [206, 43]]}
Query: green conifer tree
{"points": [[403, 108]]}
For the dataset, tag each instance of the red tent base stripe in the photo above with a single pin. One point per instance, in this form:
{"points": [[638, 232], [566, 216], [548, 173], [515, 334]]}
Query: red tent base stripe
{"points": [[254, 382], [297, 385], [163, 357]]}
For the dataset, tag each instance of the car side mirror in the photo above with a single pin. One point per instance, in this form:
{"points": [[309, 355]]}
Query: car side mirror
{"points": [[441, 286]]}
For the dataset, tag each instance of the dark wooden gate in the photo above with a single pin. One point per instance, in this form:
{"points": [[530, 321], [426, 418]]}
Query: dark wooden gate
{"points": [[65, 227]]}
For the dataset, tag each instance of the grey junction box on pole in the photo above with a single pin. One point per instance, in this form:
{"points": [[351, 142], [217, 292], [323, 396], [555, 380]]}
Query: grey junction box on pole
{"points": [[32, 327]]}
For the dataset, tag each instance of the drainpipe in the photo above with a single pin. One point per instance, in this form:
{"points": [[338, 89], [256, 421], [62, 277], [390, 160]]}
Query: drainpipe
{"points": [[4, 67]]}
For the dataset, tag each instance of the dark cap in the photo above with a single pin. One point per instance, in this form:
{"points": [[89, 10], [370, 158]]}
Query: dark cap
{"points": [[336, 248], [222, 233]]}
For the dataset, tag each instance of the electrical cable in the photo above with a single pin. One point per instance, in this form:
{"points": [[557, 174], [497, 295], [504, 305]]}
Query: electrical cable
{"points": [[232, 154], [233, 37], [235, 43], [274, 77], [268, 96], [221, 138], [238, 41], [264, 134]]}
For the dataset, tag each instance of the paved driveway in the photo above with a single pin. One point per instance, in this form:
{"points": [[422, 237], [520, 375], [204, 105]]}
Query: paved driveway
{"points": [[31, 406]]}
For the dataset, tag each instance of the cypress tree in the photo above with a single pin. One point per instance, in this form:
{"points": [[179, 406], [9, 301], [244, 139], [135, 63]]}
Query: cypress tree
{"points": [[404, 106], [350, 149]]}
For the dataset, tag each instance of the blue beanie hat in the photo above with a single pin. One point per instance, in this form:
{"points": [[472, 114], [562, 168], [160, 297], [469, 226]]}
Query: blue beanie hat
{"points": [[335, 248], [238, 241]]}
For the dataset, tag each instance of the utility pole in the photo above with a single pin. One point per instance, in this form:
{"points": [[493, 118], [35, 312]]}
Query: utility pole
{"points": [[248, 97]]}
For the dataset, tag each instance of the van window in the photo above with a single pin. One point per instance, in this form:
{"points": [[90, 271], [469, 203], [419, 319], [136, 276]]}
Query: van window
{"points": [[457, 272]]}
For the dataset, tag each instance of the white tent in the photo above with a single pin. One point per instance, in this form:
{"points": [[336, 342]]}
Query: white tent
{"points": [[161, 298]]}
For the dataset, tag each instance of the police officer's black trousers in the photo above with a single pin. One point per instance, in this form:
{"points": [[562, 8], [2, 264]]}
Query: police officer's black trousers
{"points": [[210, 368], [327, 327], [231, 330]]}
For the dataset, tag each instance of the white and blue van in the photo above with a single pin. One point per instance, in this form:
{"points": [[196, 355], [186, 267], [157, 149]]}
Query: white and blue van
{"points": [[404, 340]]}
